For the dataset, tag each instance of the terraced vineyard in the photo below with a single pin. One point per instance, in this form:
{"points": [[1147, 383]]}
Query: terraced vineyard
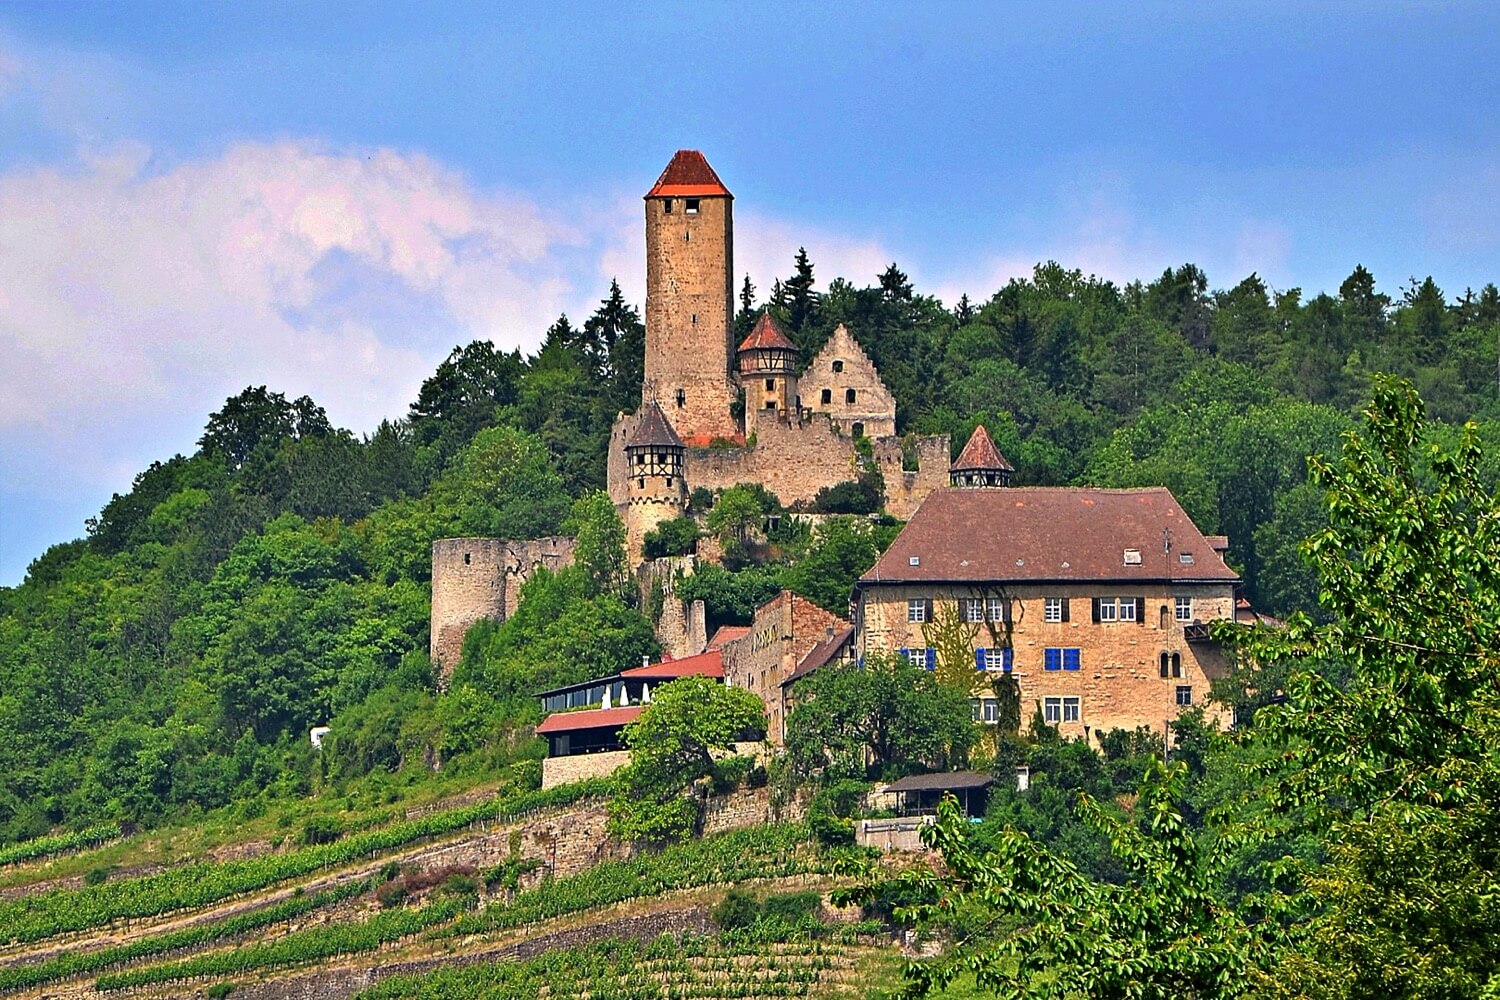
{"points": [[237, 924], [670, 968]]}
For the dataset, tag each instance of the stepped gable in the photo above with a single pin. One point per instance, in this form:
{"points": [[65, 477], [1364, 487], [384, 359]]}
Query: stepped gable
{"points": [[1050, 534], [767, 336], [652, 429], [981, 455], [688, 176]]}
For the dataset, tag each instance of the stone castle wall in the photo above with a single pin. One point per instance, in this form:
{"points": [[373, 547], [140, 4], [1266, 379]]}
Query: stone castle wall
{"points": [[842, 369], [905, 491], [682, 626], [477, 579], [1119, 684]]}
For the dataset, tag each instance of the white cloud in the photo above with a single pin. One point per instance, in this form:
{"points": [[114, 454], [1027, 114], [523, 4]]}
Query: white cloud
{"points": [[339, 275]]}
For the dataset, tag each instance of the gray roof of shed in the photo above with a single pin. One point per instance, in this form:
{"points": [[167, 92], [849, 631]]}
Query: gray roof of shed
{"points": [[943, 782]]}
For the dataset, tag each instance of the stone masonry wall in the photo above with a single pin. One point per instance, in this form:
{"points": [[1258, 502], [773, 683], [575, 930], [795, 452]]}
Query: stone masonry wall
{"points": [[1119, 684], [873, 406], [474, 579], [689, 303]]}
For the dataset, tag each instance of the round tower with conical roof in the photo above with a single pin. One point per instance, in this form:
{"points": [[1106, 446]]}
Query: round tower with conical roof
{"points": [[656, 490], [767, 361], [980, 464]]}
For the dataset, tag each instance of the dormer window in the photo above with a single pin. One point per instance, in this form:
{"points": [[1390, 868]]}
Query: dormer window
{"points": [[691, 206]]}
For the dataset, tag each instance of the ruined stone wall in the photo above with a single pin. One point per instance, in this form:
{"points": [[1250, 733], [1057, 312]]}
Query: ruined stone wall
{"points": [[905, 491], [474, 579], [682, 626], [791, 460], [1119, 682], [843, 368], [689, 315]]}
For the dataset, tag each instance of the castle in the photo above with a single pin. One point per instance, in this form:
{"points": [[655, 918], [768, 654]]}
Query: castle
{"points": [[713, 414], [797, 430]]}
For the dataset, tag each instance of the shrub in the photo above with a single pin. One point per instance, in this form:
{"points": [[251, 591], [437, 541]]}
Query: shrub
{"points": [[677, 537], [737, 911], [97, 876], [321, 830], [392, 893]]}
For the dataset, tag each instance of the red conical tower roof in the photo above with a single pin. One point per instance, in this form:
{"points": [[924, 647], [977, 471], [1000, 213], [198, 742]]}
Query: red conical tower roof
{"points": [[767, 336], [981, 455], [688, 176]]}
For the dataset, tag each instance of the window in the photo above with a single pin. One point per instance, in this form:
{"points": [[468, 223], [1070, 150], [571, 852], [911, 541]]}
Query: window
{"points": [[849, 395], [995, 610], [1056, 710], [1118, 609], [838, 366], [827, 396], [973, 609], [690, 205], [1055, 658], [919, 657], [667, 206], [1055, 609], [770, 384], [991, 709], [1184, 694], [1171, 665], [994, 658], [695, 319], [681, 398], [916, 610], [858, 430], [770, 404], [1186, 558], [1183, 608]]}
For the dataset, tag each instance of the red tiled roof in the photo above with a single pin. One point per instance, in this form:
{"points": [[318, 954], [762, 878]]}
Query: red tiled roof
{"points": [[727, 634], [767, 336], [652, 429], [1048, 533], [707, 440], [709, 664], [688, 176], [980, 454], [820, 654], [594, 718]]}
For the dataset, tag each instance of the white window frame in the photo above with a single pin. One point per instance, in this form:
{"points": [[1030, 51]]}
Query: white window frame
{"points": [[1184, 691], [1052, 609], [1052, 710], [989, 709], [1182, 609], [1109, 609], [994, 609], [972, 609], [916, 611], [1072, 708], [1127, 606]]}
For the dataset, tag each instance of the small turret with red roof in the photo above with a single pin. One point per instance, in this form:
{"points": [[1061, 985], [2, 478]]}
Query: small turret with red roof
{"points": [[980, 463]]}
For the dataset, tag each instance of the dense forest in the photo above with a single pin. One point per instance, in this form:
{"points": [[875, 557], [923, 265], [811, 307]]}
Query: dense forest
{"points": [[174, 659]]}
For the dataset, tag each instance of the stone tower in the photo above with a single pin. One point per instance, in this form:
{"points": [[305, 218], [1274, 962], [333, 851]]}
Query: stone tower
{"points": [[980, 463], [657, 490], [468, 586], [768, 375], [690, 299]]}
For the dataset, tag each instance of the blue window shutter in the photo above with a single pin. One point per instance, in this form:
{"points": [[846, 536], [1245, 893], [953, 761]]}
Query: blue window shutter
{"points": [[1050, 659], [1007, 659], [980, 659], [1070, 659], [931, 658], [906, 654]]}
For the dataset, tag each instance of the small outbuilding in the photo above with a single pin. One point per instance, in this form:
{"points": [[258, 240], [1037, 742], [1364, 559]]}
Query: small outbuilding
{"points": [[919, 794]]}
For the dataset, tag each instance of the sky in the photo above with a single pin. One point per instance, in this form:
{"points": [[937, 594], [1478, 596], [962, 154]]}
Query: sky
{"points": [[327, 198]]}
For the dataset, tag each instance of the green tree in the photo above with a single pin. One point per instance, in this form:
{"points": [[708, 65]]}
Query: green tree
{"points": [[841, 551], [673, 743], [882, 715], [600, 551]]}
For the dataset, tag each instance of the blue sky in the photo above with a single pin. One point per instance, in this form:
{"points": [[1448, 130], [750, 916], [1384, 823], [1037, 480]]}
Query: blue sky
{"points": [[326, 198]]}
